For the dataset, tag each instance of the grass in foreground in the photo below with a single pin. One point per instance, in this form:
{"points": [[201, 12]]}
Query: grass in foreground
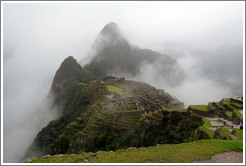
{"points": [[175, 153], [66, 158]]}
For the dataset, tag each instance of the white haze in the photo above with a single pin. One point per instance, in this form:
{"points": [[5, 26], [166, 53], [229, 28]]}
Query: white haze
{"points": [[38, 37], [195, 89]]}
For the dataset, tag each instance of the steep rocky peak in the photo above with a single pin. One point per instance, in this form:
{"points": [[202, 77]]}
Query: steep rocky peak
{"points": [[69, 62], [111, 29], [68, 71], [112, 54]]}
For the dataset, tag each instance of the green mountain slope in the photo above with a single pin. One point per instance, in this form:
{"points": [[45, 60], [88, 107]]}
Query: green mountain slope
{"points": [[109, 113], [105, 114], [213, 138]]}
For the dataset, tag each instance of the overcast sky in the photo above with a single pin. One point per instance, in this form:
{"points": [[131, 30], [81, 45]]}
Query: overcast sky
{"points": [[37, 37]]}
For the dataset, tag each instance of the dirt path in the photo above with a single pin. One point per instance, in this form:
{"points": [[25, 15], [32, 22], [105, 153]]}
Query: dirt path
{"points": [[227, 157]]}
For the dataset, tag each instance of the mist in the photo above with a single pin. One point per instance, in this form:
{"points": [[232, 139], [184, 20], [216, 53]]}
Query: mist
{"points": [[204, 82], [206, 39]]}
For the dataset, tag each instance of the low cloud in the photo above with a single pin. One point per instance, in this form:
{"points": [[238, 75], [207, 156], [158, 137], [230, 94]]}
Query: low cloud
{"points": [[204, 81], [37, 37]]}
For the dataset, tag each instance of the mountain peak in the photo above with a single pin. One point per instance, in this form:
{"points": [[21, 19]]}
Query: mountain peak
{"points": [[112, 54], [69, 59], [69, 71], [111, 28]]}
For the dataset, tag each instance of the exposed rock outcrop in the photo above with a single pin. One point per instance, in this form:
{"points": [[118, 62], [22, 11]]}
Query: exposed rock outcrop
{"points": [[68, 72]]}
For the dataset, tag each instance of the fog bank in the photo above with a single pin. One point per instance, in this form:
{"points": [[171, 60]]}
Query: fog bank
{"points": [[206, 38]]}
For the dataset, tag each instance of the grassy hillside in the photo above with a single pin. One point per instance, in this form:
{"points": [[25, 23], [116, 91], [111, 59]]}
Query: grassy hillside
{"points": [[112, 113], [109, 113]]}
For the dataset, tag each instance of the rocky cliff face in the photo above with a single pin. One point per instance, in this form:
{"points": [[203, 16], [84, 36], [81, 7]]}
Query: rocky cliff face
{"points": [[68, 72], [112, 54]]}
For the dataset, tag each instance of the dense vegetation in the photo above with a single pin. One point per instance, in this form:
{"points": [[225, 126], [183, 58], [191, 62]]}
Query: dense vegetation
{"points": [[112, 113], [174, 128], [81, 104], [175, 153]]}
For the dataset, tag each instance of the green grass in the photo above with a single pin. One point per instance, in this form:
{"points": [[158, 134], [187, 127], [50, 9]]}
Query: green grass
{"points": [[205, 126], [237, 104], [169, 109], [229, 113], [225, 133], [175, 153], [226, 102], [206, 122], [219, 104], [236, 111], [178, 110], [208, 131], [65, 159], [199, 107], [115, 89], [193, 114], [239, 134], [226, 99], [152, 115]]}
